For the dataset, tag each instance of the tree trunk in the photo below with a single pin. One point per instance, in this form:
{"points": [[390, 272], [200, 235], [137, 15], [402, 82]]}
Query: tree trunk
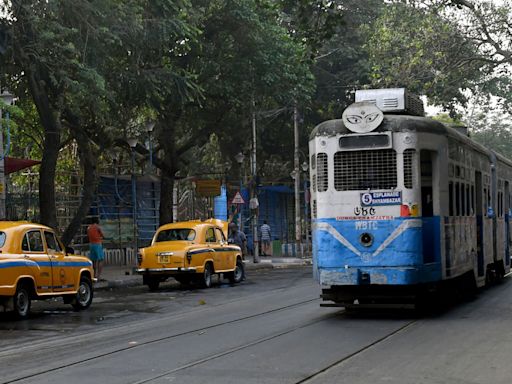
{"points": [[88, 158], [167, 140], [47, 208], [166, 199]]}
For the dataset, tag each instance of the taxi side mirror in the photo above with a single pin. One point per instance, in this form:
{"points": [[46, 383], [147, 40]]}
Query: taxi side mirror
{"points": [[70, 251]]}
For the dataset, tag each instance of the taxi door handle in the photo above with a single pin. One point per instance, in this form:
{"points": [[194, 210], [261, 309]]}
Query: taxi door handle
{"points": [[26, 256], [53, 257]]}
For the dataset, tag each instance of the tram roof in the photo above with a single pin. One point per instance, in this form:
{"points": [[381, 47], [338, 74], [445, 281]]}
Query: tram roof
{"points": [[405, 123], [394, 123]]}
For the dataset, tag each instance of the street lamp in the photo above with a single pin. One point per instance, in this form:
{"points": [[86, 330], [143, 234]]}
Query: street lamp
{"points": [[7, 98], [150, 125], [133, 144], [305, 168], [239, 157]]}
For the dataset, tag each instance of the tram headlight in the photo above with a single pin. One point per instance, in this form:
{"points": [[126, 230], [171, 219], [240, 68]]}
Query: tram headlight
{"points": [[366, 239]]}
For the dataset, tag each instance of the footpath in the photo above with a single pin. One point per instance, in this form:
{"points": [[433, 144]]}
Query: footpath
{"points": [[115, 276]]}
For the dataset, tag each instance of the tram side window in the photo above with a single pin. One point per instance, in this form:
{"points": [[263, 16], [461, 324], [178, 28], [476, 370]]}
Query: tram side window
{"points": [[469, 209], [473, 200], [322, 172], [500, 204], [462, 200], [409, 156], [450, 197], [486, 201], [457, 199]]}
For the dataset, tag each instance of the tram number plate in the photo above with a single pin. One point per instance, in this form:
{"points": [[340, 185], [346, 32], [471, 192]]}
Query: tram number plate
{"points": [[163, 259]]}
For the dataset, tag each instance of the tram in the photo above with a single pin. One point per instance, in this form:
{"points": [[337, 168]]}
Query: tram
{"points": [[402, 204]]}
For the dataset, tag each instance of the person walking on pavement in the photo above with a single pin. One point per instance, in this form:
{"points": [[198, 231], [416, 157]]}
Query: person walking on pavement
{"points": [[265, 238], [95, 235], [237, 237]]}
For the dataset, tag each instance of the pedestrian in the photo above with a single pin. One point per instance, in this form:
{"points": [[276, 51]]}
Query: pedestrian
{"points": [[265, 239], [235, 236], [95, 235]]}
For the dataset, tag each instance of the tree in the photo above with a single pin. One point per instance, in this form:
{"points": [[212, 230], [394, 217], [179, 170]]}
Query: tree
{"points": [[485, 24], [240, 56], [417, 48], [73, 59]]}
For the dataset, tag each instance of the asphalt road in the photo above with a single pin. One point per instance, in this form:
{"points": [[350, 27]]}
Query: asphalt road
{"points": [[269, 329]]}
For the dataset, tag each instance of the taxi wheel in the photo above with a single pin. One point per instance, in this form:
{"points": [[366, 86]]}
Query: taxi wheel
{"points": [[206, 281], [153, 283], [84, 295], [22, 301], [238, 274]]}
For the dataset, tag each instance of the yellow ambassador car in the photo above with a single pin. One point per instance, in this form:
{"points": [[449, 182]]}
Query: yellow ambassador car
{"points": [[190, 251], [35, 265]]}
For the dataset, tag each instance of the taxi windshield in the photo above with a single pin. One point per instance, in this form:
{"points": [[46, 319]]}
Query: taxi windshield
{"points": [[2, 239], [176, 234]]}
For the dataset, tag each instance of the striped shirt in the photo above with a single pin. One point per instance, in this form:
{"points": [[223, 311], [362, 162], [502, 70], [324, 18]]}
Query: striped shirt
{"points": [[265, 232]]}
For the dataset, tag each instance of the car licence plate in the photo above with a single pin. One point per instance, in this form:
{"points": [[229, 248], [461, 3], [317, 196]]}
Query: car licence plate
{"points": [[163, 259]]}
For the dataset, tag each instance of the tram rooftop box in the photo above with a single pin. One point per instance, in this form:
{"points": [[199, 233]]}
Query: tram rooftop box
{"points": [[392, 100]]}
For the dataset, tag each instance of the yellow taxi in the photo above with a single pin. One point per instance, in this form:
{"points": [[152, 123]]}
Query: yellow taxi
{"points": [[190, 251], [34, 265]]}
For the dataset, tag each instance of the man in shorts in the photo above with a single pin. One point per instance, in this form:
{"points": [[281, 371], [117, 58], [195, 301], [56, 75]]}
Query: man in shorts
{"points": [[266, 238], [95, 235]]}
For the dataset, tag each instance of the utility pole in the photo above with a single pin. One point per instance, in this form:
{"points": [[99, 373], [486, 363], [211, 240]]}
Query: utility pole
{"points": [[296, 171], [7, 99], [253, 203]]}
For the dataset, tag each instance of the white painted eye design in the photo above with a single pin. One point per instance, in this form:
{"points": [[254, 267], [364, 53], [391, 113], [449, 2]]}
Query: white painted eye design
{"points": [[371, 117], [355, 119]]}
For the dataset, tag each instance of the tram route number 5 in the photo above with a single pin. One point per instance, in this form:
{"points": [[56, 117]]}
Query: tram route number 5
{"points": [[364, 211]]}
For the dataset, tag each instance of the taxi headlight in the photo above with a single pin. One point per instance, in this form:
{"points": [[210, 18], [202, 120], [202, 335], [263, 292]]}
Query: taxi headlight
{"points": [[189, 257]]}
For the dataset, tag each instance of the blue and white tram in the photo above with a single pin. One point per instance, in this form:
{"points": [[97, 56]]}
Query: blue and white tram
{"points": [[402, 203]]}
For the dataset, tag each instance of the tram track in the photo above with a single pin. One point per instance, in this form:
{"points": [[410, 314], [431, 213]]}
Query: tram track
{"points": [[55, 368], [310, 379], [132, 325]]}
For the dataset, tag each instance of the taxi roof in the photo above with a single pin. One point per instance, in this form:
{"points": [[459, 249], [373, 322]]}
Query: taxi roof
{"points": [[196, 223], [6, 225]]}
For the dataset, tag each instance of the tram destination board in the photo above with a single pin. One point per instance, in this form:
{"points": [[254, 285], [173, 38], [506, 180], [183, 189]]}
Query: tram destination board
{"points": [[381, 198]]}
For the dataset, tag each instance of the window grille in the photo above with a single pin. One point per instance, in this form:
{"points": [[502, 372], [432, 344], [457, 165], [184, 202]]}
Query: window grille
{"points": [[314, 209], [313, 165], [322, 172], [409, 157], [360, 170], [314, 182]]}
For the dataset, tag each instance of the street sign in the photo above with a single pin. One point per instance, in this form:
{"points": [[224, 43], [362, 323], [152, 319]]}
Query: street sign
{"points": [[238, 199], [208, 187]]}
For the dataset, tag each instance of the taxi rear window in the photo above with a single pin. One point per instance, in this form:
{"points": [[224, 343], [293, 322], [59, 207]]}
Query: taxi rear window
{"points": [[176, 234], [2, 239]]}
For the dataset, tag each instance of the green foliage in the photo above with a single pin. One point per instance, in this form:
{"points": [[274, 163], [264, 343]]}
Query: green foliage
{"points": [[414, 48]]}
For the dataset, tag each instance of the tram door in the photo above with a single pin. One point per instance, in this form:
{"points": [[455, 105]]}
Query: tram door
{"points": [[431, 224], [506, 200], [479, 223]]}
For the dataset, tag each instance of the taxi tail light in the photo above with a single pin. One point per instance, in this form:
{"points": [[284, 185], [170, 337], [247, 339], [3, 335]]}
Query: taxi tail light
{"points": [[404, 210], [139, 258]]}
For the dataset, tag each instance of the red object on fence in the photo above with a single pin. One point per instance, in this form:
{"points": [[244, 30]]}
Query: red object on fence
{"points": [[12, 164]]}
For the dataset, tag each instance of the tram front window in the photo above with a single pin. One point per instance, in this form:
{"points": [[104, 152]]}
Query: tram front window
{"points": [[361, 170]]}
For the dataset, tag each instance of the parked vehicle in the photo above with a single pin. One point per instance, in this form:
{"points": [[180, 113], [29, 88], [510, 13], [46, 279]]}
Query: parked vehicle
{"points": [[34, 265], [190, 251]]}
